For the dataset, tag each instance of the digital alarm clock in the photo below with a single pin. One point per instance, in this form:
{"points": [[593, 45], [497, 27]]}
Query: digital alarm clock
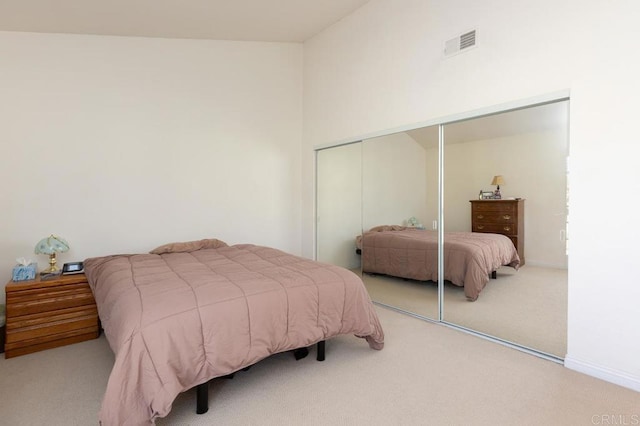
{"points": [[72, 268]]}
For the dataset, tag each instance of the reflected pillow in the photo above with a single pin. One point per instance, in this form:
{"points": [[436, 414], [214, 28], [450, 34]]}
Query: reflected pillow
{"points": [[383, 228]]}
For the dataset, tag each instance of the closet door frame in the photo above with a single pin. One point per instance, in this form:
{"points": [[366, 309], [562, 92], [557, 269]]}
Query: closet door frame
{"points": [[559, 96]]}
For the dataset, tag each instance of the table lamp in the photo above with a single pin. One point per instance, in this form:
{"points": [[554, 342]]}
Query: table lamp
{"points": [[51, 245], [497, 180]]}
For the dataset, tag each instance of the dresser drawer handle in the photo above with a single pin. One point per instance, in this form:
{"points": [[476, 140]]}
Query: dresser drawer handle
{"points": [[480, 226], [506, 217], [480, 216], [507, 228]]}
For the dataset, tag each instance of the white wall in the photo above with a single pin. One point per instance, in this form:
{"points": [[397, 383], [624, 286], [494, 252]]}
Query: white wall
{"points": [[122, 144], [382, 67]]}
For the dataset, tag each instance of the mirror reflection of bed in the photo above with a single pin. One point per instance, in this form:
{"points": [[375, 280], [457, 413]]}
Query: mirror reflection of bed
{"points": [[396, 184], [528, 148]]}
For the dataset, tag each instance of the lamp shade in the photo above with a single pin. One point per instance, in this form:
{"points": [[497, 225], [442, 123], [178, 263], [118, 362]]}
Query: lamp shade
{"points": [[50, 245], [497, 180]]}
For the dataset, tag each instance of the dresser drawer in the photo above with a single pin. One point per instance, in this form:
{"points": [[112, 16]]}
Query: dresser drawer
{"points": [[494, 228], [494, 206], [494, 217]]}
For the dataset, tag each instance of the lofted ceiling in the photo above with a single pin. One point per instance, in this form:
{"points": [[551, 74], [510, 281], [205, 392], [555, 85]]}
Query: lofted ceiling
{"points": [[246, 20]]}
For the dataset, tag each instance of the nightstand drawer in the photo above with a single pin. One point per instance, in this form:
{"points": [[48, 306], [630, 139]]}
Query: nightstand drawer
{"points": [[35, 301], [43, 324], [24, 347], [48, 314]]}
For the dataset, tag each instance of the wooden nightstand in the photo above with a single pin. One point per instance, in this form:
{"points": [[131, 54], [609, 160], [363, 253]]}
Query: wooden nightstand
{"points": [[47, 314]]}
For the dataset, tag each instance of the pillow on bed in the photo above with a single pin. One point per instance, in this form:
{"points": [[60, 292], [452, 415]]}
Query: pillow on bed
{"points": [[189, 246]]}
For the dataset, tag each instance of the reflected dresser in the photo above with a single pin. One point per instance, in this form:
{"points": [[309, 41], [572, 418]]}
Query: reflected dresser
{"points": [[500, 217]]}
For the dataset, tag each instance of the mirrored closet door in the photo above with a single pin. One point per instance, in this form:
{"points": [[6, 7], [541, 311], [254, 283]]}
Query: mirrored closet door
{"points": [[339, 205], [522, 154], [399, 193], [393, 185]]}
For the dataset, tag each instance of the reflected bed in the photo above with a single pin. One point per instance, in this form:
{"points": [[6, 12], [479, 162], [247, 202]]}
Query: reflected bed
{"points": [[469, 257]]}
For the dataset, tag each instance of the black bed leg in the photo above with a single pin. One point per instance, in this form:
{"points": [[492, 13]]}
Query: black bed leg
{"points": [[320, 356], [300, 353], [494, 275], [202, 398]]}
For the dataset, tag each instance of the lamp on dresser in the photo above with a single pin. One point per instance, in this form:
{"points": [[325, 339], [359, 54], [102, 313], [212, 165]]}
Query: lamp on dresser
{"points": [[50, 246], [497, 180]]}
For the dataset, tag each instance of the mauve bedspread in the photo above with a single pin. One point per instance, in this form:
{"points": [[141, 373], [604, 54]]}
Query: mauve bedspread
{"points": [[177, 320], [469, 257]]}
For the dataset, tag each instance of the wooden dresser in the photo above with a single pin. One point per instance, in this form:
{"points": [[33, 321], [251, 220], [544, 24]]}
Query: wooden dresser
{"points": [[48, 314], [500, 217]]}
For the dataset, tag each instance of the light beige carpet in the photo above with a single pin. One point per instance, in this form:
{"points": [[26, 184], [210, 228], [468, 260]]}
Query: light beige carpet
{"points": [[527, 307], [427, 374]]}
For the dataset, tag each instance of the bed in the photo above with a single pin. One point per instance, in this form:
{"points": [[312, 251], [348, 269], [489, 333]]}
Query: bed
{"points": [[186, 313], [470, 258]]}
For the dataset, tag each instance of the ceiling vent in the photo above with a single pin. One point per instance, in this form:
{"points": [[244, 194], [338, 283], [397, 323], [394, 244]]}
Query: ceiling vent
{"points": [[460, 44]]}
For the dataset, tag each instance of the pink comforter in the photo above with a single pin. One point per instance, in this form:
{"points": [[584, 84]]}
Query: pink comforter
{"points": [[469, 257], [177, 320]]}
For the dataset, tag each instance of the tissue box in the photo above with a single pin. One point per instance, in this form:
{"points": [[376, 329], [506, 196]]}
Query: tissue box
{"points": [[24, 273]]}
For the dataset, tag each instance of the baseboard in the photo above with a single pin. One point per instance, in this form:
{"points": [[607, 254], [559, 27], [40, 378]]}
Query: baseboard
{"points": [[607, 374], [534, 262]]}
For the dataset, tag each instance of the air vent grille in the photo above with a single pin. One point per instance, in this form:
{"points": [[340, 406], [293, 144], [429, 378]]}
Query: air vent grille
{"points": [[468, 39], [460, 43]]}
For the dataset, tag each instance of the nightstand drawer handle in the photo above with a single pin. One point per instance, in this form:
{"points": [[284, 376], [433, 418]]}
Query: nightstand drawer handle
{"points": [[506, 217], [507, 228], [480, 226], [480, 216]]}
